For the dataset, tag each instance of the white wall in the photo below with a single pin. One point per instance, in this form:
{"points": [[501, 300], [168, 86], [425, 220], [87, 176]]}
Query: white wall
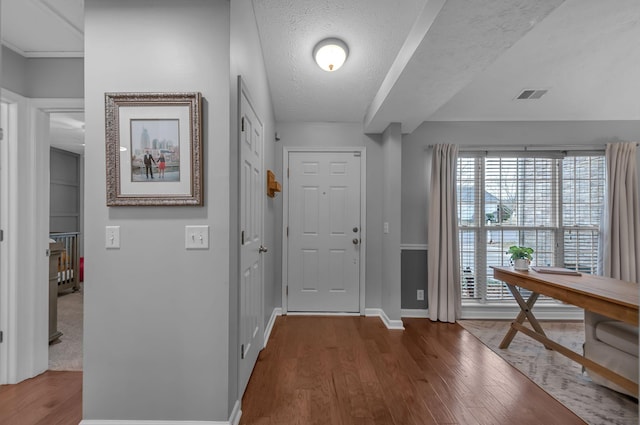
{"points": [[319, 134], [247, 61], [157, 316], [391, 214], [416, 162]]}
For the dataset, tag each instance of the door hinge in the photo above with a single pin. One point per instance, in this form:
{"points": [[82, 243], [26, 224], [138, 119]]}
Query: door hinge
{"points": [[1, 336], [1, 235], [242, 125], [242, 238], [287, 172], [287, 290], [287, 231], [1, 133], [242, 351]]}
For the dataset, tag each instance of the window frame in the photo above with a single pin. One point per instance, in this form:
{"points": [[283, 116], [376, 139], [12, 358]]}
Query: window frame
{"points": [[478, 229]]}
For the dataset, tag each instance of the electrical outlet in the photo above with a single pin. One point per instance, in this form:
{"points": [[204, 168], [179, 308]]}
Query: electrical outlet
{"points": [[420, 295]]}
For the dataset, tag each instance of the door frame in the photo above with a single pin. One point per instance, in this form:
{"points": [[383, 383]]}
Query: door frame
{"points": [[363, 214], [244, 91], [25, 313]]}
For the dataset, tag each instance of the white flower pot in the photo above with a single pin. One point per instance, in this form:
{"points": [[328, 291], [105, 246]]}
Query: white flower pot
{"points": [[521, 264]]}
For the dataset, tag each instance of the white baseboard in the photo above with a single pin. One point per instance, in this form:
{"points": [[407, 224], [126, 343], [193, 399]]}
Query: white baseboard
{"points": [[272, 320], [234, 419], [390, 324], [133, 422], [422, 313], [236, 413]]}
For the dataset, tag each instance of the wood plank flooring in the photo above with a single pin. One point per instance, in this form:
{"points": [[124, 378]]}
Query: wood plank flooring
{"points": [[52, 398], [346, 370], [352, 370]]}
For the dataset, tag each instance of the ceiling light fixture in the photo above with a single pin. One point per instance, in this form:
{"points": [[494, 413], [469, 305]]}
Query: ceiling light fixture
{"points": [[330, 54]]}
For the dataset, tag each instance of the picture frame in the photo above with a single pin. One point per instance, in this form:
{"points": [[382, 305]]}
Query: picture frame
{"points": [[154, 149]]}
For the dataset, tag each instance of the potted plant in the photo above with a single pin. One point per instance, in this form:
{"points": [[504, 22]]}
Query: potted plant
{"points": [[520, 256]]}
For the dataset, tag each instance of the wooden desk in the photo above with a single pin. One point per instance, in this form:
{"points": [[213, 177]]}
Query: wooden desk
{"points": [[613, 298]]}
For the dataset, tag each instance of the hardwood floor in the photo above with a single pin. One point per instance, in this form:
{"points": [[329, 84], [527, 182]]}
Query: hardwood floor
{"points": [[53, 398], [346, 370], [352, 370]]}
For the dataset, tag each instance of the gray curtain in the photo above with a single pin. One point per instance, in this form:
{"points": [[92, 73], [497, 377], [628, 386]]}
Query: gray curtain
{"points": [[443, 285], [620, 236]]}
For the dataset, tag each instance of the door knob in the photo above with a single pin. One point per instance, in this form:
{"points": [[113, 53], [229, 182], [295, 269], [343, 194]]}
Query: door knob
{"points": [[355, 241], [355, 230], [262, 249]]}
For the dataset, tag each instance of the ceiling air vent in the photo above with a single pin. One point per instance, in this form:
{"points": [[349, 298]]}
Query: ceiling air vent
{"points": [[531, 94]]}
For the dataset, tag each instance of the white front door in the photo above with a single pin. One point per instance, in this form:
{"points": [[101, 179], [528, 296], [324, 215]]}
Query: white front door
{"points": [[251, 195], [324, 232]]}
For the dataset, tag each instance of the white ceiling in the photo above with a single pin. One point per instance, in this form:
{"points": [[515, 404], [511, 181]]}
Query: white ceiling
{"points": [[416, 60]]}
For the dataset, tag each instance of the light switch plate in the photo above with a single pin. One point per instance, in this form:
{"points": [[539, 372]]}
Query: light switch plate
{"points": [[196, 237], [386, 227], [112, 236]]}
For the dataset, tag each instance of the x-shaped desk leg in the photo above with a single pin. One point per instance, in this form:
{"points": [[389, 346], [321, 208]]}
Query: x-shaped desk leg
{"points": [[525, 312]]}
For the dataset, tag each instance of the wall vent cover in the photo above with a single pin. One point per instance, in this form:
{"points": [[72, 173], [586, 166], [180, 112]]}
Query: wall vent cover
{"points": [[531, 94]]}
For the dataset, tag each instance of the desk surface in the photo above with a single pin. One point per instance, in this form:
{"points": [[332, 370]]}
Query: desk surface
{"points": [[611, 297]]}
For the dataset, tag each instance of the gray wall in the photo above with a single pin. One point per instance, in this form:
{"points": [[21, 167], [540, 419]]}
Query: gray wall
{"points": [[391, 215], [317, 134], [414, 277], [156, 315], [247, 61], [64, 201], [42, 77], [416, 165]]}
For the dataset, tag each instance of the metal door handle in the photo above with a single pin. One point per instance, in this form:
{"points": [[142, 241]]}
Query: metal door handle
{"points": [[262, 249], [355, 241]]}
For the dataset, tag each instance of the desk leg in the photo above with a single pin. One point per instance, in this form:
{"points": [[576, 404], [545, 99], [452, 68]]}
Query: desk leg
{"points": [[525, 312]]}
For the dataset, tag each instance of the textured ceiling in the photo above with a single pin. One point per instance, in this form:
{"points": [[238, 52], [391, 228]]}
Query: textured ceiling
{"points": [[466, 37], [587, 54], [374, 30], [415, 60]]}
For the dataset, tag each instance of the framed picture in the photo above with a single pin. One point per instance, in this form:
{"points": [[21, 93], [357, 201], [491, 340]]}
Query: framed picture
{"points": [[154, 149]]}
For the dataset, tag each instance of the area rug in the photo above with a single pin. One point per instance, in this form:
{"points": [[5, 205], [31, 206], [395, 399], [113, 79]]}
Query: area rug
{"points": [[66, 352], [559, 376]]}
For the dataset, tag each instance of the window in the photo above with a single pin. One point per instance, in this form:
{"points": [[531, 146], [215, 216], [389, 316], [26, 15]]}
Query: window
{"points": [[551, 202]]}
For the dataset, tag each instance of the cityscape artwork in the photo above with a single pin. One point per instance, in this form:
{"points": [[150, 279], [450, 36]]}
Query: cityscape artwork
{"points": [[155, 150]]}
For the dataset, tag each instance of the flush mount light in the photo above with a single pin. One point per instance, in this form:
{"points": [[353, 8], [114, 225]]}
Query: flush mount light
{"points": [[330, 53]]}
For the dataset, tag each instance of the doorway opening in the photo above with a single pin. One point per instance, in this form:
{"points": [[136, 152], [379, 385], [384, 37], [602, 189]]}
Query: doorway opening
{"points": [[66, 166]]}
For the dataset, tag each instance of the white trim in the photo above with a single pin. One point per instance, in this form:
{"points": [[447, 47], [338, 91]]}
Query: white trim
{"points": [[236, 414], [422, 313], [272, 320], [390, 324], [363, 215], [25, 312], [234, 419], [414, 247], [134, 422], [510, 311], [321, 313]]}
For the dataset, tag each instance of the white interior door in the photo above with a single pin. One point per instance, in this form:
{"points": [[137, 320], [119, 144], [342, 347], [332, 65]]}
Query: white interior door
{"points": [[251, 249], [324, 232]]}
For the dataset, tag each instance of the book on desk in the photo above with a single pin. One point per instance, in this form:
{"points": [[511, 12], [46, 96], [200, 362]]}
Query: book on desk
{"points": [[555, 270]]}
